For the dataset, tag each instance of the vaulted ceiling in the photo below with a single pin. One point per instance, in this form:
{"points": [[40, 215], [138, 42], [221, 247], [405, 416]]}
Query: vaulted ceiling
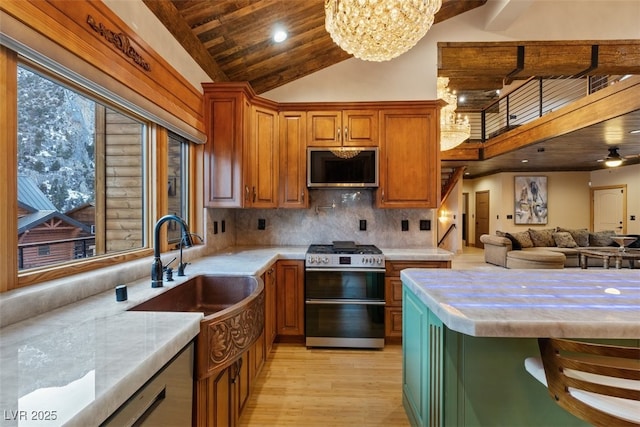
{"points": [[232, 41]]}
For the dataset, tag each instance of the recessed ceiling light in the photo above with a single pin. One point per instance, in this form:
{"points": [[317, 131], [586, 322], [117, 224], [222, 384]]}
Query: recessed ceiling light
{"points": [[461, 99], [279, 35], [636, 131], [524, 161]]}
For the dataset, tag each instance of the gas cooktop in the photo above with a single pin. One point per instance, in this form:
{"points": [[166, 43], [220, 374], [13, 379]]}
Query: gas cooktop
{"points": [[344, 247], [344, 255]]}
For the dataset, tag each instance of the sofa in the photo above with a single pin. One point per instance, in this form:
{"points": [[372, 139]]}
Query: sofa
{"points": [[543, 242]]}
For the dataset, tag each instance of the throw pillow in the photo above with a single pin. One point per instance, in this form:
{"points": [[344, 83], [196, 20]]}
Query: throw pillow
{"points": [[564, 239], [581, 236], [542, 238], [501, 233], [515, 245], [602, 238], [523, 239]]}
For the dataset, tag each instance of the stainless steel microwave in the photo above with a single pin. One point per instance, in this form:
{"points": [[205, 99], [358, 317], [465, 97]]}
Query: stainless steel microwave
{"points": [[342, 167]]}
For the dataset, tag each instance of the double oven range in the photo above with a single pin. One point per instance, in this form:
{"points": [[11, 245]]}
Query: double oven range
{"points": [[344, 295]]}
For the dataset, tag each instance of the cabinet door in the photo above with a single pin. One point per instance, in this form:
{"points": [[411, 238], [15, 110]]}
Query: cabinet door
{"points": [[324, 128], [270, 330], [360, 128], [409, 159], [225, 114], [290, 300], [262, 165], [293, 160], [220, 407], [354, 128]]}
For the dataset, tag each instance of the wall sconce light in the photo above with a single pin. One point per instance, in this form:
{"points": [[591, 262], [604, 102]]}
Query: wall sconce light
{"points": [[613, 159]]}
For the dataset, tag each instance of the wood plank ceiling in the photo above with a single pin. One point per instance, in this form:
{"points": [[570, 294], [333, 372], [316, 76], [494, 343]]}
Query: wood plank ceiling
{"points": [[232, 41]]}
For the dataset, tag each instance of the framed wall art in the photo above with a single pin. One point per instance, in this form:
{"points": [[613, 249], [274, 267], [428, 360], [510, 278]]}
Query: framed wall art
{"points": [[530, 200]]}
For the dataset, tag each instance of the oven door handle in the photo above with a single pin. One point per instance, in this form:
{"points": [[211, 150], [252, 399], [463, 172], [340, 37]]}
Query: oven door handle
{"points": [[348, 270], [344, 301]]}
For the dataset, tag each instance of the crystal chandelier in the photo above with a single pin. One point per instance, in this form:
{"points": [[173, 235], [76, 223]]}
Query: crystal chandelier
{"points": [[454, 129], [378, 30]]}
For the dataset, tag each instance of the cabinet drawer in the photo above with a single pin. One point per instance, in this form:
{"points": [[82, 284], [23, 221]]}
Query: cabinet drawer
{"points": [[393, 268]]}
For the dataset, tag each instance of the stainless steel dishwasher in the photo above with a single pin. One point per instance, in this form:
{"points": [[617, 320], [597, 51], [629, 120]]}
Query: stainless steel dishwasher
{"points": [[165, 400]]}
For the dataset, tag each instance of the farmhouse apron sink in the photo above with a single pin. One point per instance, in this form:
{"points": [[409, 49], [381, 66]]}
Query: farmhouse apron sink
{"points": [[233, 308]]}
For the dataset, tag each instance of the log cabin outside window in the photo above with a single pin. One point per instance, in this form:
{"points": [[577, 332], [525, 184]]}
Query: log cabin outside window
{"points": [[81, 174]]}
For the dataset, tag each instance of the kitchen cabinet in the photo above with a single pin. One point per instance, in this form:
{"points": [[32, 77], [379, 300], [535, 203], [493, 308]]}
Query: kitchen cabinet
{"points": [[293, 160], [348, 128], [290, 300], [270, 295], [241, 153], [261, 168], [393, 294], [226, 113], [409, 158], [226, 394]]}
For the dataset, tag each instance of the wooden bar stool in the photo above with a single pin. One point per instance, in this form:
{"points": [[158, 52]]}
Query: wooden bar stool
{"points": [[597, 383]]}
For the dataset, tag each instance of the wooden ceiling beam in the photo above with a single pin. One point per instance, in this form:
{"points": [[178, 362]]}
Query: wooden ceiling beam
{"points": [[167, 13]]}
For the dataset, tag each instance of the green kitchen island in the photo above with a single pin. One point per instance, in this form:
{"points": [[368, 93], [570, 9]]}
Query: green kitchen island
{"points": [[466, 334]]}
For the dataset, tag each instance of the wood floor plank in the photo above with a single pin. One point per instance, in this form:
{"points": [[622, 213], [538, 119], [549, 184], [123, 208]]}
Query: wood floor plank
{"points": [[328, 387]]}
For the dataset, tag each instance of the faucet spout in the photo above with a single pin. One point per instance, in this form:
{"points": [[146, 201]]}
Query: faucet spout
{"points": [[156, 267]]}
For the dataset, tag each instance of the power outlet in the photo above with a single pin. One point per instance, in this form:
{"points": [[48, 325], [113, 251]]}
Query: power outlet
{"points": [[425, 224], [405, 224], [363, 225], [262, 224]]}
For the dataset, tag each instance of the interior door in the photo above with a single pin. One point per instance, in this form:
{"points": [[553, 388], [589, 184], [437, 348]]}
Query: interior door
{"points": [[609, 208], [482, 216]]}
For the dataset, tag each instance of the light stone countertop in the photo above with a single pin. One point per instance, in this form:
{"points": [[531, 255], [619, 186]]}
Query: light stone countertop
{"points": [[85, 359], [569, 303]]}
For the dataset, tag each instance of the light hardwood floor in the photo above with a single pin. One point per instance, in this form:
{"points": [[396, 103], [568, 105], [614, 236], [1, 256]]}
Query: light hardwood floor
{"points": [[328, 387], [335, 387]]}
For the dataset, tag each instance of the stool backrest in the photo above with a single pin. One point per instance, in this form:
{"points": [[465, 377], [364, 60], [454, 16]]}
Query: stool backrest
{"points": [[591, 380]]}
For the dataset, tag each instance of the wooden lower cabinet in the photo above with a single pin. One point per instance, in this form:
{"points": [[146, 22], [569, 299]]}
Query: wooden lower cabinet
{"points": [[393, 294], [222, 396], [290, 300]]}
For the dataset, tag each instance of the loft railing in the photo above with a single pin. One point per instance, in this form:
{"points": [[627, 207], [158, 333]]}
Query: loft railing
{"points": [[536, 97]]}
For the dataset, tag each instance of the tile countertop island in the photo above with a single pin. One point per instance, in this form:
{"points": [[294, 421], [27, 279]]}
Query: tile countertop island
{"points": [[466, 334], [84, 359]]}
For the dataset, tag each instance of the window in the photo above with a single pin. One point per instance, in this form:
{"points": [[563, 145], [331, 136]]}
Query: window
{"points": [[81, 186], [177, 187]]}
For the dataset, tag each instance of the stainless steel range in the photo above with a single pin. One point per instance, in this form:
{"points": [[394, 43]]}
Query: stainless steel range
{"points": [[344, 295]]}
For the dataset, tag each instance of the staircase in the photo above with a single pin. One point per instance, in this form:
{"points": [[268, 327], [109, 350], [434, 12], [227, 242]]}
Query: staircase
{"points": [[449, 177]]}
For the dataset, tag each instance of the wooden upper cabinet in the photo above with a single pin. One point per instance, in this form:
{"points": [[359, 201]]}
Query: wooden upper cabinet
{"points": [[261, 177], [226, 115], [409, 158], [293, 160], [241, 153], [349, 128]]}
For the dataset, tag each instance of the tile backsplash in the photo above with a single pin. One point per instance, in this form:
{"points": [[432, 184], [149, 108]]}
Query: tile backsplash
{"points": [[332, 215]]}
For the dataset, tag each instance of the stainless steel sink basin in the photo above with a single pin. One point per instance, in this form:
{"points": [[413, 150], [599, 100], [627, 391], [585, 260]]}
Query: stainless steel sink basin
{"points": [[234, 316], [206, 294]]}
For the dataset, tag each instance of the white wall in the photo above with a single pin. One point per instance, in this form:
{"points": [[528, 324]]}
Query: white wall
{"points": [[413, 75], [569, 198]]}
